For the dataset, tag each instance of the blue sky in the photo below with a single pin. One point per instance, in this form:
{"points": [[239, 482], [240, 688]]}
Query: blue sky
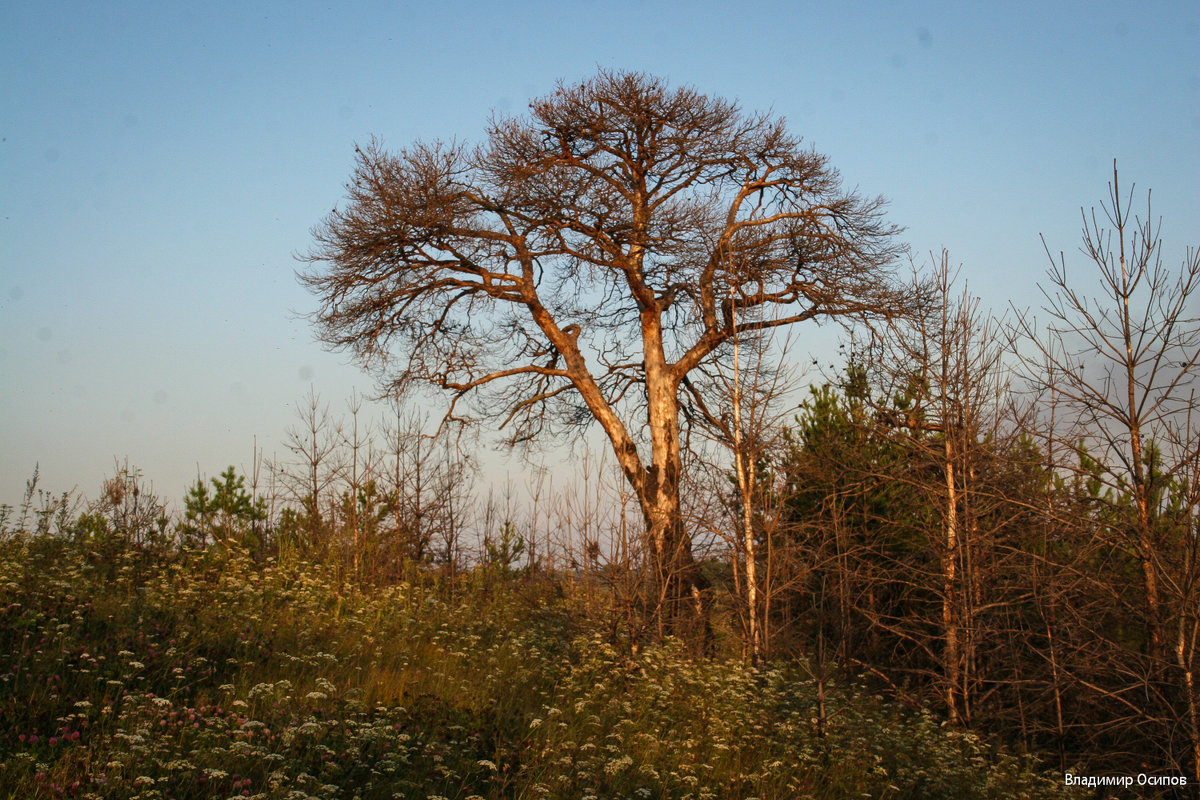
{"points": [[162, 163]]}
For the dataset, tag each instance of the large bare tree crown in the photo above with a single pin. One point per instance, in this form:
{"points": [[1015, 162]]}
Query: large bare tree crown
{"points": [[622, 227]]}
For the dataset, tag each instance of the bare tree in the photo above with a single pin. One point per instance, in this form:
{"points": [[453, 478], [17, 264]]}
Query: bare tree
{"points": [[453, 492], [408, 448], [360, 503], [945, 366], [427, 487], [582, 262], [1125, 363], [313, 444], [741, 411]]}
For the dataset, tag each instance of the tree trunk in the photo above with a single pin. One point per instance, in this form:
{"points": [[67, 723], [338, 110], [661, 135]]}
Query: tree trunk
{"points": [[745, 481], [678, 588], [1185, 654], [950, 656]]}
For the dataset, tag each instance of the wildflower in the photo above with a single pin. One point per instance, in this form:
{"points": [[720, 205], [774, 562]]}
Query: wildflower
{"points": [[618, 764]]}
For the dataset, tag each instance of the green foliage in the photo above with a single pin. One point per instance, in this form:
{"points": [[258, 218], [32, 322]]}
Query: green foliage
{"points": [[201, 674], [228, 514], [502, 551], [301, 529], [853, 504]]}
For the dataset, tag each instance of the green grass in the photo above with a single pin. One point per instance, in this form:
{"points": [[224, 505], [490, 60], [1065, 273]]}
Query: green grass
{"points": [[127, 675]]}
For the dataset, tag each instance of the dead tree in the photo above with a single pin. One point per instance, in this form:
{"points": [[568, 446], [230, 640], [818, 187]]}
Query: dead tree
{"points": [[583, 261], [1124, 362]]}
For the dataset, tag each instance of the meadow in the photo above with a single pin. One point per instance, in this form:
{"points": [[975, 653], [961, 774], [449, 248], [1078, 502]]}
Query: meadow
{"points": [[132, 672]]}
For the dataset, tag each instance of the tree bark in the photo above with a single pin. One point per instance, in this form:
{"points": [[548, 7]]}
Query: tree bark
{"points": [[679, 589]]}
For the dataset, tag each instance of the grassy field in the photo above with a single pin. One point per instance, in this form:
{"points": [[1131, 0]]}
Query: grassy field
{"points": [[125, 674]]}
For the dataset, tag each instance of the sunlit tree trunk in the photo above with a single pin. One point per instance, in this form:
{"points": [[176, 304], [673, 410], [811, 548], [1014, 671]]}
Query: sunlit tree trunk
{"points": [[951, 658], [679, 586], [745, 473]]}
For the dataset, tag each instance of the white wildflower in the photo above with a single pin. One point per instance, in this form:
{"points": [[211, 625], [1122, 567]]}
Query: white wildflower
{"points": [[618, 764]]}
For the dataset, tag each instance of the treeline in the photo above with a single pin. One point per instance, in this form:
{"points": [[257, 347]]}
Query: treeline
{"points": [[1001, 518], [373, 503]]}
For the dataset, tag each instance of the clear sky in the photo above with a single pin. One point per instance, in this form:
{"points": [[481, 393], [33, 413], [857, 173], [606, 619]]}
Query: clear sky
{"points": [[161, 164]]}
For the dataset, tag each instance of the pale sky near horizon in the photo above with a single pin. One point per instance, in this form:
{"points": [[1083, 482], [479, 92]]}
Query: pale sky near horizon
{"points": [[161, 164]]}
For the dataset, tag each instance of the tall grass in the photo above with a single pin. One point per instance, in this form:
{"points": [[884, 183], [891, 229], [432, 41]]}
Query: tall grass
{"points": [[192, 675]]}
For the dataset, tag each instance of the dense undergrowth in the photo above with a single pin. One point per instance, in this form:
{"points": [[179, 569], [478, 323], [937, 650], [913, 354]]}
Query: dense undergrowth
{"points": [[130, 675]]}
